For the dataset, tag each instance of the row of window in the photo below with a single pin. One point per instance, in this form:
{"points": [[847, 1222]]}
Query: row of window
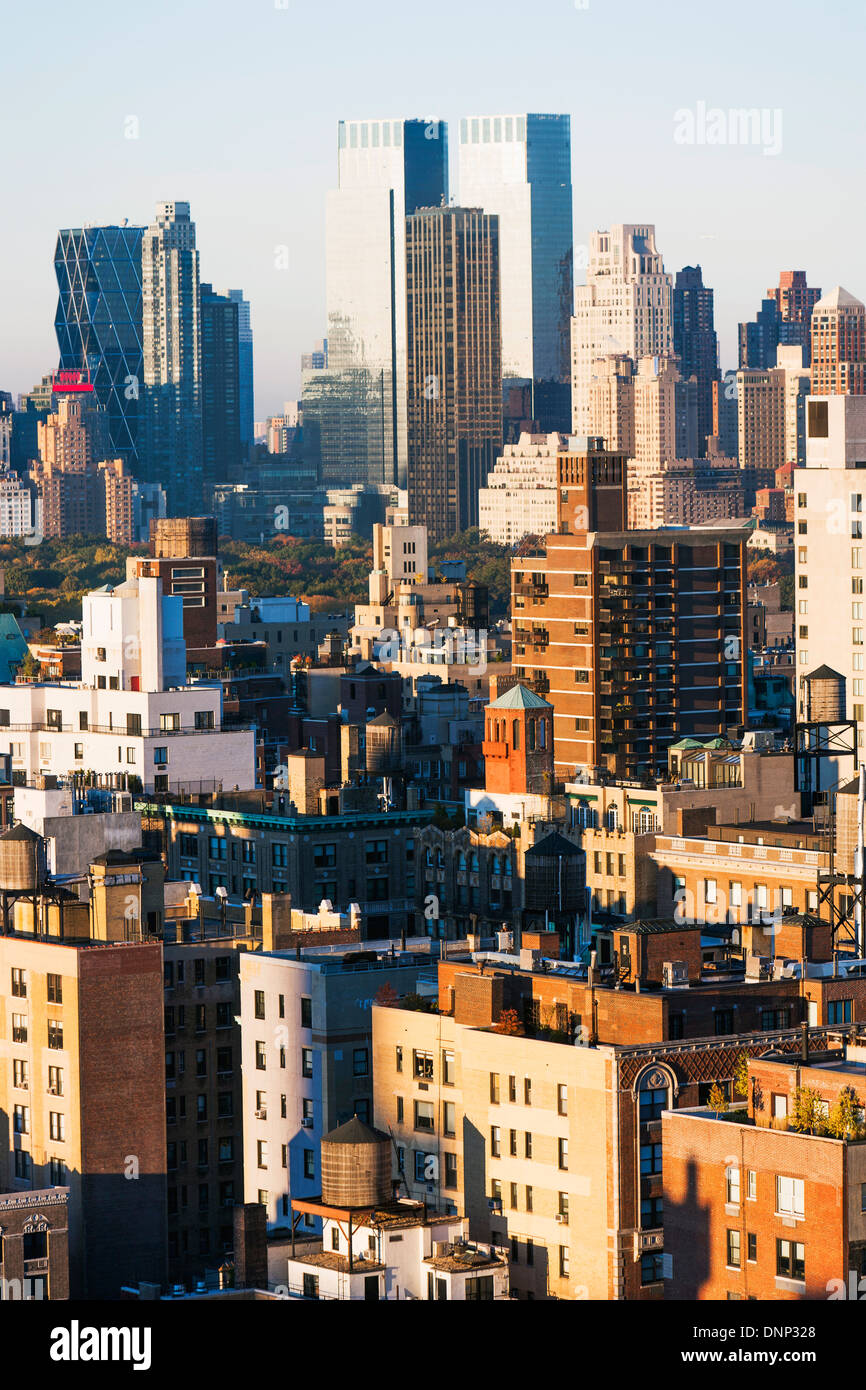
{"points": [[306, 1059], [175, 1108], [262, 1108], [790, 1255], [790, 1192], [53, 986], [24, 1168], [21, 1077], [174, 972], [259, 1007], [56, 1122], [20, 1031]]}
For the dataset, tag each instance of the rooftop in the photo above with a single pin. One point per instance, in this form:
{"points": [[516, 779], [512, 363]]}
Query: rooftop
{"points": [[519, 697]]}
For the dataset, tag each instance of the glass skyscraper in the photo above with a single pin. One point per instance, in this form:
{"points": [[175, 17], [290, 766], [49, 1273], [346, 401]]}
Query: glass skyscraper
{"points": [[98, 323], [387, 170], [519, 167], [171, 341], [220, 389], [245, 369]]}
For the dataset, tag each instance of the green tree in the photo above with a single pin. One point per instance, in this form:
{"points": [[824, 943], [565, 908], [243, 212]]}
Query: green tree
{"points": [[808, 1115], [845, 1120]]}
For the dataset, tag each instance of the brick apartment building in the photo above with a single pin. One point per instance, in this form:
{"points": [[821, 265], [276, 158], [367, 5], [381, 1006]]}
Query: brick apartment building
{"points": [[757, 1210], [635, 637]]}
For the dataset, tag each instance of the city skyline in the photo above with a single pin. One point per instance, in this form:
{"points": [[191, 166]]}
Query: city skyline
{"points": [[147, 142]]}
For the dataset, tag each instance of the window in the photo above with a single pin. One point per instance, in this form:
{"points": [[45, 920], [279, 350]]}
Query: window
{"points": [[562, 1153], [422, 1065], [57, 1126], [652, 1103], [780, 1107], [563, 1207], [324, 856], [512, 1143], [790, 1199], [651, 1268], [399, 1059], [377, 851], [447, 1068], [733, 1259], [839, 1011], [752, 1185], [563, 1261], [279, 855], [495, 1141], [259, 1003], [360, 1062], [449, 1117], [651, 1209], [562, 1100], [306, 1012], [751, 1247], [732, 1187], [21, 1119], [529, 1198], [204, 719], [261, 1057], [309, 1163], [21, 1074], [527, 1145], [55, 1034], [424, 1115], [19, 1028], [494, 1088], [307, 1062], [58, 1172], [650, 1158], [790, 1260], [19, 983], [169, 723], [450, 1170], [527, 1091]]}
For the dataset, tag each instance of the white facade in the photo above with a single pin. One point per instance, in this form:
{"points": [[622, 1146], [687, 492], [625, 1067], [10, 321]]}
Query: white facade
{"points": [[624, 307], [415, 1257], [519, 498], [829, 546], [20, 511], [132, 715]]}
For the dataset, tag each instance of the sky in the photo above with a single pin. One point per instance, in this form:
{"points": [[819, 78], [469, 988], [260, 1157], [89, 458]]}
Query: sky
{"points": [[234, 104]]}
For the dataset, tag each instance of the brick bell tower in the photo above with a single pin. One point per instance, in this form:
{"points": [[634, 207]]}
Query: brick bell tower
{"points": [[518, 743]]}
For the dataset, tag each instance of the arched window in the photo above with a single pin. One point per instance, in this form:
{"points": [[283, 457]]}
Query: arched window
{"points": [[530, 735], [494, 864], [473, 862], [653, 1098], [461, 862], [542, 733], [428, 857], [515, 734], [613, 817]]}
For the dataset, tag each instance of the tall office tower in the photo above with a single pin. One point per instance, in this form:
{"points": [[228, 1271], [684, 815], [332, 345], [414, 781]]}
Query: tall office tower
{"points": [[356, 408], [98, 323], [454, 362], [637, 635], [220, 389], [830, 503], [783, 320], [724, 437], [611, 402], [795, 301], [171, 339], [245, 370], [696, 343], [839, 345], [624, 307], [519, 168], [73, 441], [665, 412], [771, 413]]}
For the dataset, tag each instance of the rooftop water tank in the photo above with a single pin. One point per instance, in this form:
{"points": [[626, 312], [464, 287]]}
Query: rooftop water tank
{"points": [[356, 1166]]}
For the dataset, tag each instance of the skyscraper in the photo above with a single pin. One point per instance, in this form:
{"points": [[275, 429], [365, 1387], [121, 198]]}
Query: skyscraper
{"points": [[172, 406], [454, 364], [220, 388], [782, 320], [839, 345], [624, 307], [387, 170], [519, 168], [245, 369], [98, 322], [696, 343]]}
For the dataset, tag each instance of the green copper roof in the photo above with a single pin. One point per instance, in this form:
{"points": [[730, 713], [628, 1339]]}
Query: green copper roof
{"points": [[519, 697]]}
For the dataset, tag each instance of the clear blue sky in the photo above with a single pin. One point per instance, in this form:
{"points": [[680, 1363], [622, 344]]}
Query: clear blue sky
{"points": [[238, 100]]}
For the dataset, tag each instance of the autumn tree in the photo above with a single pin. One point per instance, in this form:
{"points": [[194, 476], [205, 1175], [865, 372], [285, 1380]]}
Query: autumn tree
{"points": [[845, 1120], [509, 1024], [386, 997], [808, 1115], [741, 1076], [716, 1099]]}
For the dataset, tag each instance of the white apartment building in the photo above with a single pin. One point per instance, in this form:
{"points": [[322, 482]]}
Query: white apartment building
{"points": [[132, 718], [519, 498], [306, 1057], [830, 551], [20, 510], [624, 307]]}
